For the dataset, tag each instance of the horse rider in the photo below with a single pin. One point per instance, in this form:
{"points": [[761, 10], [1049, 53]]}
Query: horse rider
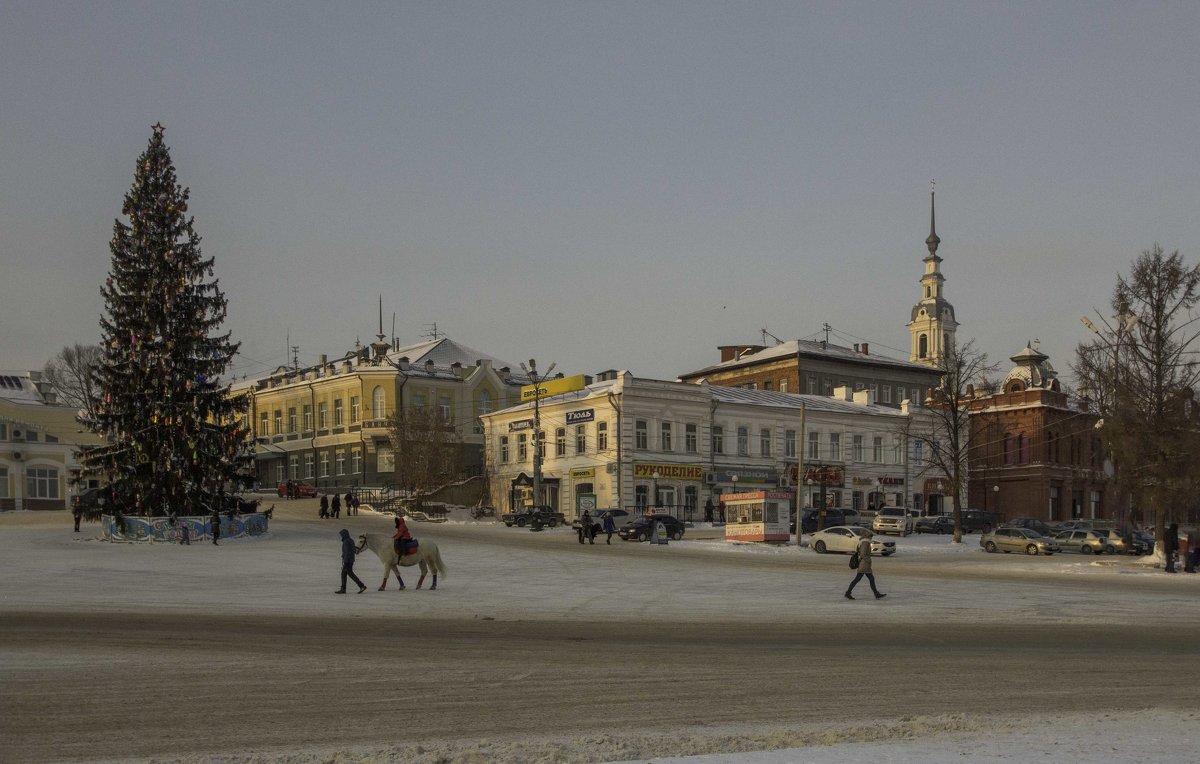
{"points": [[402, 537]]}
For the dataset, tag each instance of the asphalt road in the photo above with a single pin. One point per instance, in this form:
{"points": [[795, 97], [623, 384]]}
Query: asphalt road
{"points": [[97, 685]]}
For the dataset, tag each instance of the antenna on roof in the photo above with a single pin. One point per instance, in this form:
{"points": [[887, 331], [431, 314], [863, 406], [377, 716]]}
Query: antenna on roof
{"points": [[395, 341], [433, 332], [827, 329], [766, 334], [295, 357]]}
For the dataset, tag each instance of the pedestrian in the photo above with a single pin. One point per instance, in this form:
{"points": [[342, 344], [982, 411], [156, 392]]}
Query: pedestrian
{"points": [[77, 511], [356, 503], [610, 526], [864, 567], [350, 509], [708, 510], [721, 510], [324, 506], [185, 534], [348, 564], [1171, 545], [585, 527], [291, 490], [1193, 554], [335, 508], [216, 526]]}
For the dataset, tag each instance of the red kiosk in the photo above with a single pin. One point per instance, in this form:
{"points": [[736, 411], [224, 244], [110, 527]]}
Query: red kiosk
{"points": [[757, 515]]}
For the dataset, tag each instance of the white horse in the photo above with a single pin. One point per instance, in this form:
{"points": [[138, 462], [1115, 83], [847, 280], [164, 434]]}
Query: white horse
{"points": [[427, 556]]}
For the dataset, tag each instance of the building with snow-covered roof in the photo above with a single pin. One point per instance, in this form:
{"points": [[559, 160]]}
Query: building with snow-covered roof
{"points": [[330, 423], [624, 441], [38, 439]]}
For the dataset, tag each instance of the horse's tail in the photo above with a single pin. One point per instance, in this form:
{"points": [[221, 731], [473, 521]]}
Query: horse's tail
{"points": [[437, 558]]}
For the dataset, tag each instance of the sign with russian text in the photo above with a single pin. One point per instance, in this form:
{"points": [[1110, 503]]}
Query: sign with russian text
{"points": [[583, 473], [668, 471], [584, 415], [552, 387], [520, 424]]}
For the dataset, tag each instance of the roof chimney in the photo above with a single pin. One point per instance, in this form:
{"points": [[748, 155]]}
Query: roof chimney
{"points": [[864, 349]]}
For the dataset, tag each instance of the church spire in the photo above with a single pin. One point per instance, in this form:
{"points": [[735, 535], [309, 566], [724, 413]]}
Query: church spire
{"points": [[933, 241]]}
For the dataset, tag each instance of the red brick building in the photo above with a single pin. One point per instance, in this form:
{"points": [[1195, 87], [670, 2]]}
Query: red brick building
{"points": [[1032, 453]]}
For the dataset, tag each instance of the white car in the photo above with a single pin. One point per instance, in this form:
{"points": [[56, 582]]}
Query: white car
{"points": [[893, 520], [845, 538]]}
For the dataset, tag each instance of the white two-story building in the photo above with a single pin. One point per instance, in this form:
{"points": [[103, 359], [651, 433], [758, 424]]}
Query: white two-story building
{"points": [[634, 443]]}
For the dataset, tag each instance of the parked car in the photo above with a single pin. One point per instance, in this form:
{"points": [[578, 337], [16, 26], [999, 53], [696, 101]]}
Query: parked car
{"points": [[833, 516], [1032, 523], [979, 521], [1083, 541], [641, 528], [303, 490], [1071, 525], [1146, 540], [619, 516], [845, 538], [1125, 543], [537, 517], [1018, 540], [893, 520], [941, 524]]}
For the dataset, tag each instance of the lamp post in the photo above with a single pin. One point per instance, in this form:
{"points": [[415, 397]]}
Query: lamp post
{"points": [[996, 491], [656, 476], [536, 380]]}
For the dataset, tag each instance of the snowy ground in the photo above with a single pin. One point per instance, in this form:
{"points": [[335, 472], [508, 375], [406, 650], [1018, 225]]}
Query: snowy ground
{"points": [[518, 577]]}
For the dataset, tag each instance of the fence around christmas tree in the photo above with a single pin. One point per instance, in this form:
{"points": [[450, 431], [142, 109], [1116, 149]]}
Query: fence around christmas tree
{"points": [[170, 531]]}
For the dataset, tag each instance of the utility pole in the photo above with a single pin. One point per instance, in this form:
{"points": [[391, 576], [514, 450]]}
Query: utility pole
{"points": [[799, 476], [536, 381]]}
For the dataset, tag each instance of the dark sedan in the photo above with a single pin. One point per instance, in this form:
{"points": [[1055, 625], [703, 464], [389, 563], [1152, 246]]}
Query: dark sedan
{"points": [[940, 524], [642, 528]]}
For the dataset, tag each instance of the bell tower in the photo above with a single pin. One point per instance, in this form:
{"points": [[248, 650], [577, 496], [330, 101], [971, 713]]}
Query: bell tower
{"points": [[932, 325]]}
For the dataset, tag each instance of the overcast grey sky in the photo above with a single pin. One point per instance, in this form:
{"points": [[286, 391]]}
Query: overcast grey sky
{"points": [[605, 185]]}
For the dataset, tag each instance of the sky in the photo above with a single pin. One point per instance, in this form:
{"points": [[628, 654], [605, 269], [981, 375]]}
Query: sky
{"points": [[603, 184]]}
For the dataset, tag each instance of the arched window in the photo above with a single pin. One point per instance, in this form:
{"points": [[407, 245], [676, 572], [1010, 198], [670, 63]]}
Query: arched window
{"points": [[378, 403], [485, 402], [923, 346], [1023, 448], [1008, 454]]}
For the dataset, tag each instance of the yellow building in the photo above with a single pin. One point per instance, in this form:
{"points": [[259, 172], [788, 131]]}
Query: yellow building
{"points": [[38, 438], [328, 424]]}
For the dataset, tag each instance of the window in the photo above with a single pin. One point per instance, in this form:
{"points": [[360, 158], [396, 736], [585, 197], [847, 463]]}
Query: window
{"points": [[580, 438], [278, 421], [337, 413], [766, 384], [691, 500], [504, 449], [874, 388], [1023, 449], [3, 477], [541, 444], [484, 407], [923, 344], [294, 468], [308, 417], [718, 439], [690, 441], [444, 407], [666, 436], [764, 442], [308, 465], [789, 444], [522, 447], [743, 438], [291, 426], [783, 385], [835, 446], [355, 461], [324, 464], [641, 497], [41, 483], [828, 387], [814, 445], [340, 462], [4, 430], [418, 401], [51, 438], [264, 424], [877, 449], [602, 436], [560, 441], [812, 384], [1008, 449], [378, 403], [640, 436], [856, 448], [322, 416], [355, 409], [918, 447], [916, 397], [887, 393]]}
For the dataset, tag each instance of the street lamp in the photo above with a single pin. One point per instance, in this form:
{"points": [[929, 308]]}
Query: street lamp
{"points": [[996, 491], [536, 380]]}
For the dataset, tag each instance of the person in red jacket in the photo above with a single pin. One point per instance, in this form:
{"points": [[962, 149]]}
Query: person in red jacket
{"points": [[402, 536]]}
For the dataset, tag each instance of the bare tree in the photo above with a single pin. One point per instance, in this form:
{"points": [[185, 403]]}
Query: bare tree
{"points": [[70, 371], [946, 439], [426, 447], [1141, 371]]}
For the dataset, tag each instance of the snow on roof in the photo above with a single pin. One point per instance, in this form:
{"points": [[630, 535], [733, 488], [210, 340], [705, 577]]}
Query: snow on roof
{"points": [[812, 348]]}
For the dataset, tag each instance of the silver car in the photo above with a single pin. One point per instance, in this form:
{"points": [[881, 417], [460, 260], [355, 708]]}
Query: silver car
{"points": [[1018, 540], [1084, 542]]}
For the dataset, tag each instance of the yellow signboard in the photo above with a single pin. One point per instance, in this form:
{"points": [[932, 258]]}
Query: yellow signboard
{"points": [[583, 473], [668, 471], [552, 387]]}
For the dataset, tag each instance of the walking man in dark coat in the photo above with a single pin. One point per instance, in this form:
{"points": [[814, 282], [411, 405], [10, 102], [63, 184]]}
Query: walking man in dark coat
{"points": [[350, 504], [336, 506], [1171, 545], [610, 526], [324, 506], [348, 564], [77, 511], [585, 527], [215, 521]]}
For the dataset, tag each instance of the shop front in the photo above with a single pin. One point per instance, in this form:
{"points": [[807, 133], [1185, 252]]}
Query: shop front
{"points": [[520, 492], [670, 488]]}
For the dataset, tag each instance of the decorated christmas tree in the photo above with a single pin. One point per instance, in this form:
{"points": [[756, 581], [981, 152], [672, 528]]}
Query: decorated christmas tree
{"points": [[174, 437]]}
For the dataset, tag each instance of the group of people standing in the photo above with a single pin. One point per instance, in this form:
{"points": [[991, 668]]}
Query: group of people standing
{"points": [[333, 508], [1172, 548], [589, 528]]}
